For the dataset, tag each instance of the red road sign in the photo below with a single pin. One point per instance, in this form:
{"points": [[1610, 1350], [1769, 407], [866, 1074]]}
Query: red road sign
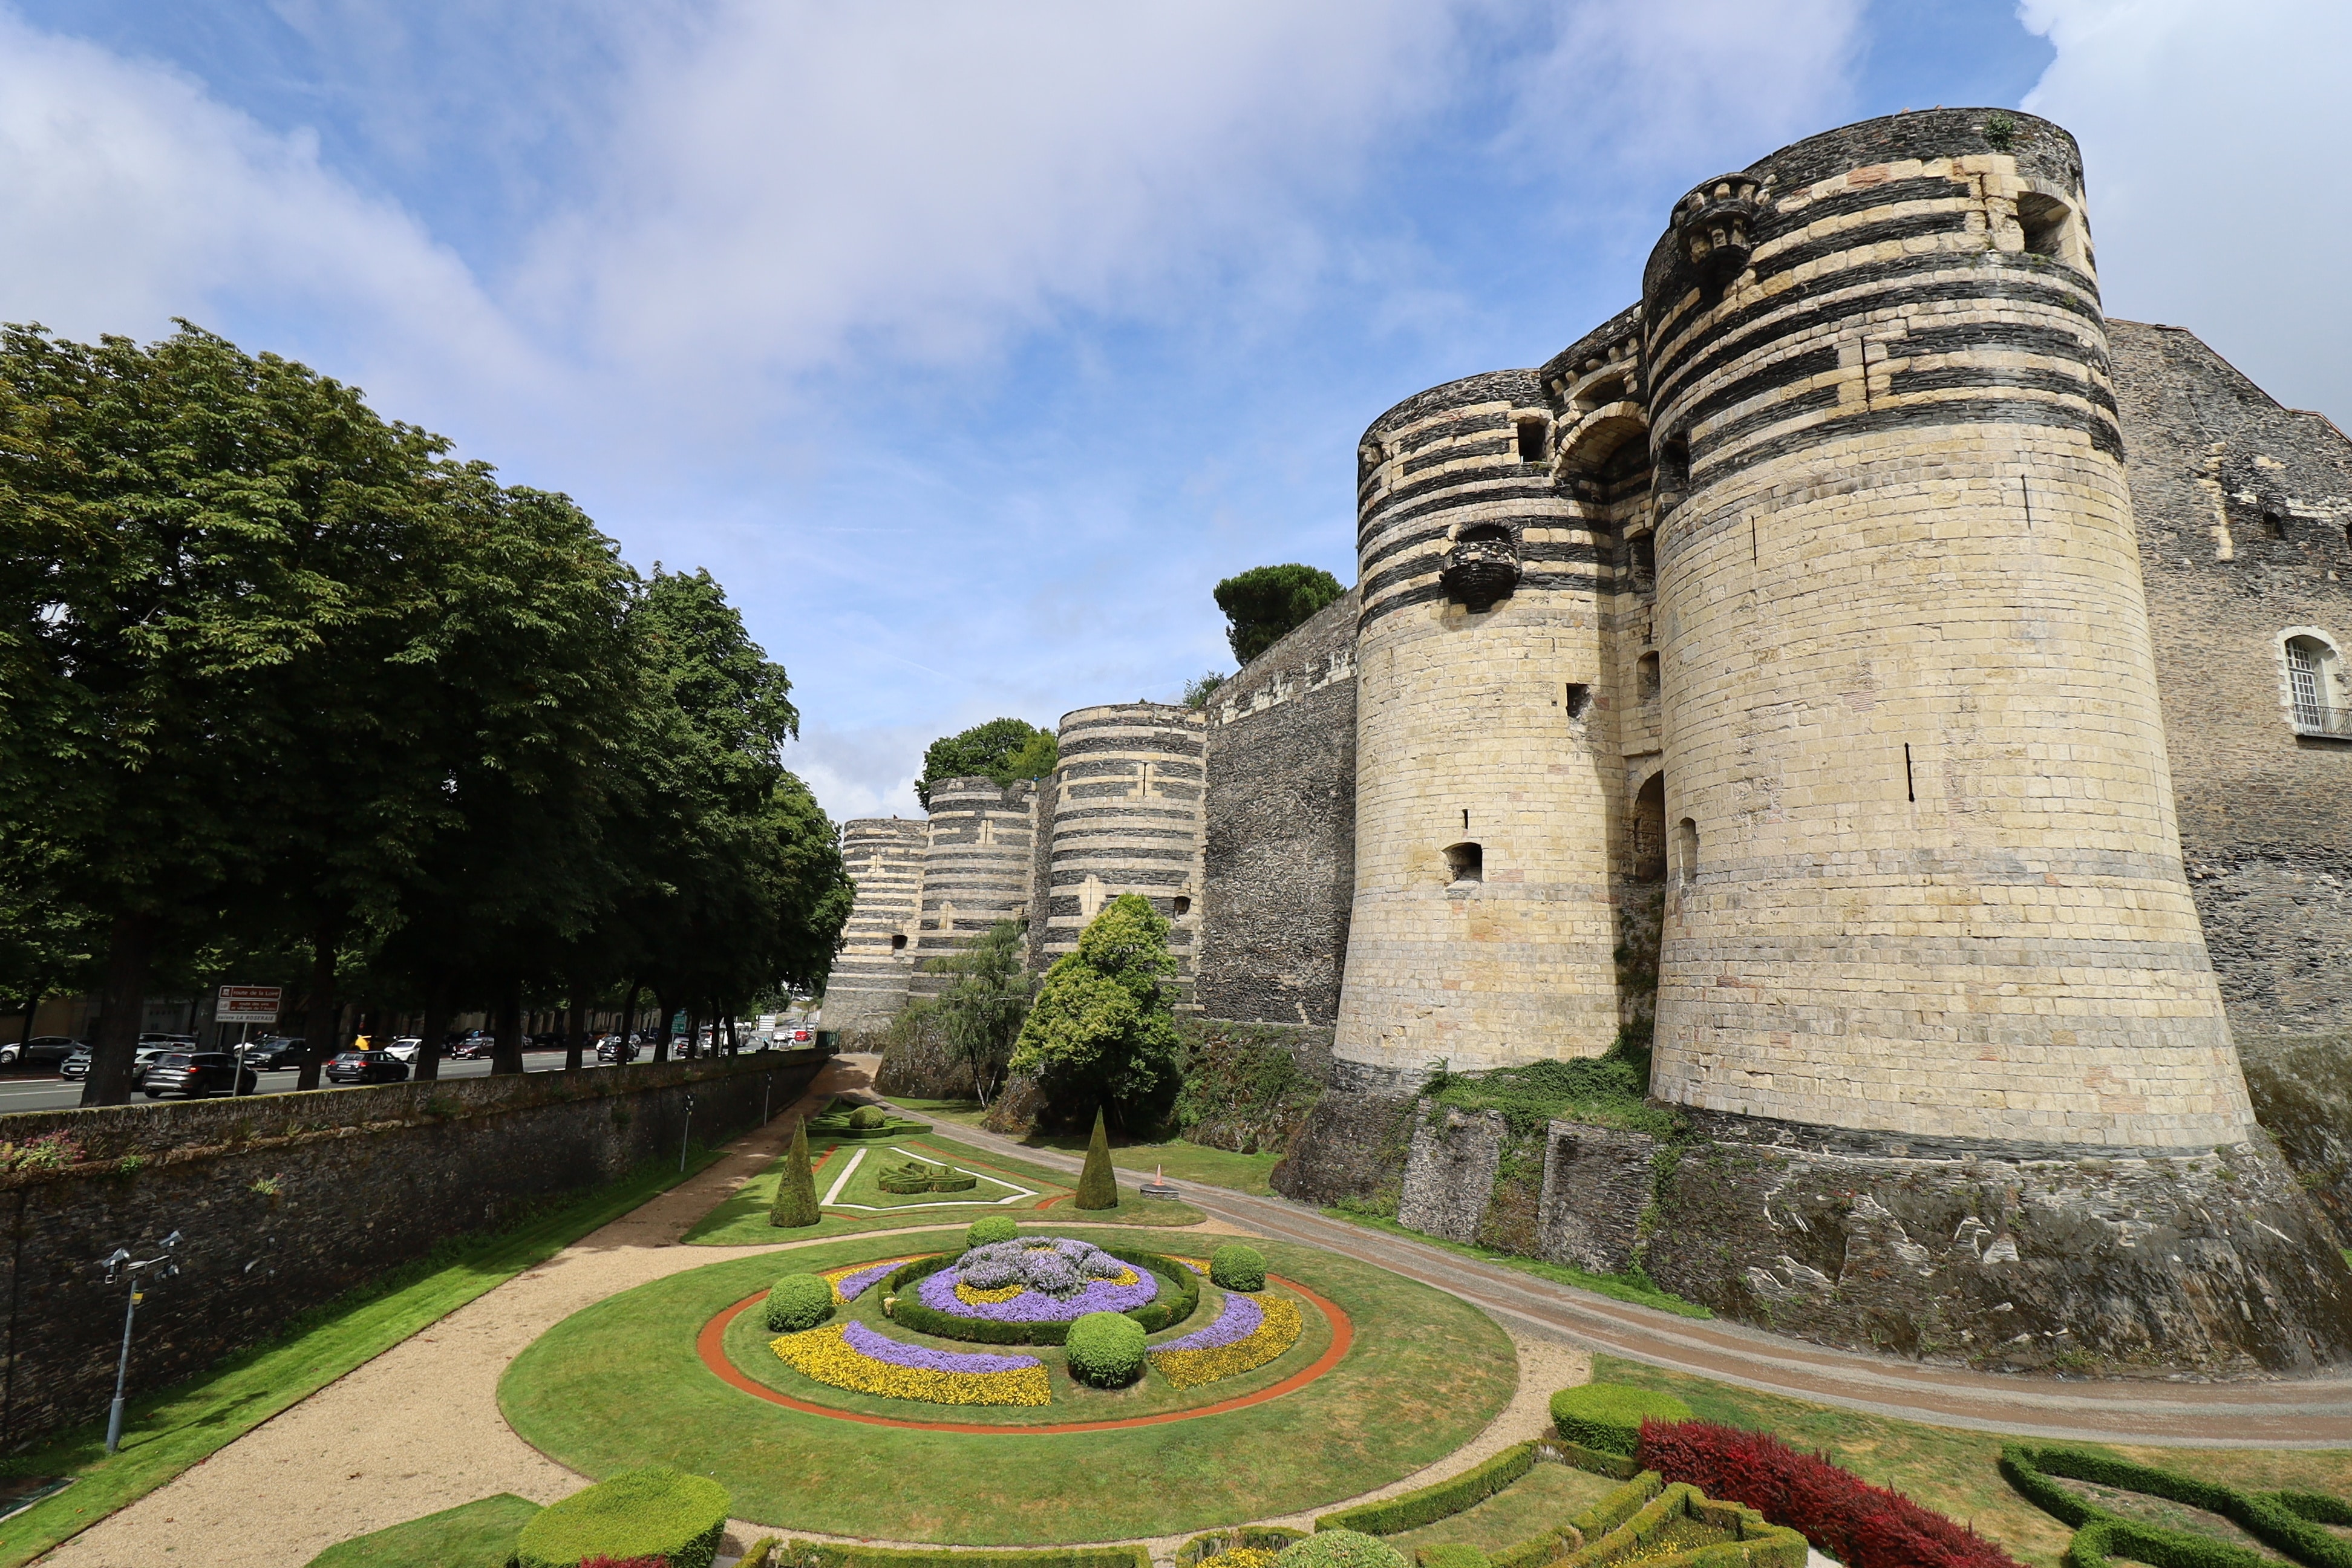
{"points": [[249, 1004]]}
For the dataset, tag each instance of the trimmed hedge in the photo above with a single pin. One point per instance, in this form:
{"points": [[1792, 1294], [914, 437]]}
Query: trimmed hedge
{"points": [[1608, 1416], [1173, 1308], [652, 1513], [798, 1302], [922, 1176], [795, 1204], [864, 1122], [1105, 1350], [1237, 1268], [1431, 1503], [1749, 1541], [1340, 1549], [1098, 1187], [990, 1228], [1592, 1524], [831, 1554], [1861, 1525], [2288, 1521], [1262, 1536], [1452, 1555]]}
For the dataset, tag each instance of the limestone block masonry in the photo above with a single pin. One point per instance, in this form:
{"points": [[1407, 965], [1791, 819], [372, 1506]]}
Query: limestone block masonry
{"points": [[884, 855], [975, 869], [1127, 809]]}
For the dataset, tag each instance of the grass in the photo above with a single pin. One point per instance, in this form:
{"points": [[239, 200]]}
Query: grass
{"points": [[1540, 1501], [1953, 1471], [478, 1535], [1182, 1161], [742, 1219], [1616, 1287], [165, 1433], [620, 1383]]}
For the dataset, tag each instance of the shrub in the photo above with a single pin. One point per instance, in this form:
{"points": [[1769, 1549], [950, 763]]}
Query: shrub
{"points": [[1237, 1268], [1219, 1544], [986, 1232], [868, 1116], [652, 1513], [2287, 1520], [1097, 1188], [1413, 1510], [1452, 1555], [831, 1554], [923, 1176], [1861, 1525], [1105, 1349], [1340, 1549], [1608, 1416], [795, 1202], [798, 1302]]}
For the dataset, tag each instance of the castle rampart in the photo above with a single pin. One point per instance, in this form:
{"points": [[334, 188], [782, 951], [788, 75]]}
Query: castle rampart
{"points": [[976, 867], [885, 857], [1126, 806]]}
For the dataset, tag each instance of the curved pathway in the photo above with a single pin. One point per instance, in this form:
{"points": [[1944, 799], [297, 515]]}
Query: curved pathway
{"points": [[2297, 1414]]}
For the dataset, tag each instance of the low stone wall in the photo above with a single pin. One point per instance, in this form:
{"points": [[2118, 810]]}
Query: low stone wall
{"points": [[284, 1200], [1352, 1148], [1597, 1182], [1449, 1174], [2302, 1088]]}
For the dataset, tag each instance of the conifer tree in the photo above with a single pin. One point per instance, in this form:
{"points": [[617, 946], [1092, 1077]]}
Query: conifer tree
{"points": [[1097, 1189], [795, 1202]]}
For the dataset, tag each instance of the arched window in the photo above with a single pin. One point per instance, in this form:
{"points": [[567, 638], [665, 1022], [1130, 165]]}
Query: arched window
{"points": [[1465, 863], [2314, 700]]}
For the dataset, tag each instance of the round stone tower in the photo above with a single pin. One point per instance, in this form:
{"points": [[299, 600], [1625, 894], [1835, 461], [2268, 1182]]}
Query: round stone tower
{"points": [[1924, 876], [1483, 926], [975, 869], [884, 855], [1126, 815]]}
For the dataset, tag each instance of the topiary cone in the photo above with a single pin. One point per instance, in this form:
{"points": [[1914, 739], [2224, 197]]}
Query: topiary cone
{"points": [[795, 1202], [1097, 1188]]}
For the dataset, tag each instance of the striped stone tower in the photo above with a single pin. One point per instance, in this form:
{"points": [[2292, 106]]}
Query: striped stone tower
{"points": [[1482, 924], [1126, 818], [975, 869], [885, 857], [1925, 878]]}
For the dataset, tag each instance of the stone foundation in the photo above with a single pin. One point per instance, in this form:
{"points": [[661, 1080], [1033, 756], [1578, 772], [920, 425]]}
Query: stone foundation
{"points": [[1352, 1148], [1597, 1182]]}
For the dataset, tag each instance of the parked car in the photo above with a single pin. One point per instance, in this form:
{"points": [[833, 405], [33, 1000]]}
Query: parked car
{"points": [[476, 1044], [404, 1048], [612, 1048], [546, 1042], [40, 1051], [76, 1065], [367, 1066], [276, 1052], [196, 1074], [146, 1056]]}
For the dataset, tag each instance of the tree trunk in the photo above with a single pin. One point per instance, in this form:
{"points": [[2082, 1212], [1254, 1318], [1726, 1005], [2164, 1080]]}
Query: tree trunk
{"points": [[506, 1054], [733, 1045], [25, 1035], [129, 950], [576, 1043], [661, 1028], [693, 1033], [429, 1031], [628, 1022], [322, 1031]]}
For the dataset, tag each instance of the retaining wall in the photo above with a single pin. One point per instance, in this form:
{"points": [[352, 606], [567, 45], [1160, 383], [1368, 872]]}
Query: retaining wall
{"points": [[363, 1180]]}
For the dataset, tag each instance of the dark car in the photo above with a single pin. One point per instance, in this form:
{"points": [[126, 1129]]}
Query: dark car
{"points": [[615, 1050], [367, 1066], [549, 1042], [40, 1051], [276, 1052], [195, 1074], [473, 1047]]}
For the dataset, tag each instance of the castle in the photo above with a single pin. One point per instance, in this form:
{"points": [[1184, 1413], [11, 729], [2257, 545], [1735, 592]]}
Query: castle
{"points": [[1918, 694]]}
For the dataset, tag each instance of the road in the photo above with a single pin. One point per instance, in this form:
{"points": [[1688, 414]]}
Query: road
{"points": [[53, 1094], [2300, 1413]]}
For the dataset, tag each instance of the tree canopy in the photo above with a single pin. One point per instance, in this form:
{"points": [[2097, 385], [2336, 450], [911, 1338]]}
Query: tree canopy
{"points": [[282, 679], [1003, 749], [1267, 603], [1102, 1028], [983, 1007]]}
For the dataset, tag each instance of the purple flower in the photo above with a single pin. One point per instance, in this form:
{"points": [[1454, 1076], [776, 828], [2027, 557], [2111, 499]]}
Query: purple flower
{"points": [[851, 1286], [866, 1341], [1238, 1321], [937, 1292]]}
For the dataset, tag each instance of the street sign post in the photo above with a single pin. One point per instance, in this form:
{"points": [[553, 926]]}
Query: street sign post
{"points": [[249, 1004]]}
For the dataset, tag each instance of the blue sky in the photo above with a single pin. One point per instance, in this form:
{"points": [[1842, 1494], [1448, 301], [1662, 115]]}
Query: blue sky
{"points": [[969, 344]]}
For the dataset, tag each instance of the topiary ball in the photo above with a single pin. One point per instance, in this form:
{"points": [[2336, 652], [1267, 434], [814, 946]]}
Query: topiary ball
{"points": [[986, 1232], [1608, 1416], [1237, 1268], [868, 1116], [637, 1514], [1105, 1349], [798, 1302], [1340, 1549]]}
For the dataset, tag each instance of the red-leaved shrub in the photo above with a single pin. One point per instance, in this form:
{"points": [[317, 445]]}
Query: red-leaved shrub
{"points": [[1861, 1525]]}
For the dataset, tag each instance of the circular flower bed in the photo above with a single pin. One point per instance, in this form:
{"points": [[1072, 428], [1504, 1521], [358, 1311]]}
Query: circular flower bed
{"points": [[1030, 1289]]}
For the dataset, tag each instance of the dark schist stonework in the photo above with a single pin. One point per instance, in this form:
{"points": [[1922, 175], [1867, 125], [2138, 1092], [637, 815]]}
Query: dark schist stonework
{"points": [[1354, 1148], [365, 1179]]}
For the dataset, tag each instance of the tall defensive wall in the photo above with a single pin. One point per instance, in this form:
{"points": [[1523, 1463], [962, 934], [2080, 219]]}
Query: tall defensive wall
{"points": [[1124, 816], [1483, 925], [1925, 873], [884, 855], [975, 869]]}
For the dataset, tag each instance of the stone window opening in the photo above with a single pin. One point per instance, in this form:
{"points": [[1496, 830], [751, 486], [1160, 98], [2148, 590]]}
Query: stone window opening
{"points": [[1183, 905], [1465, 863], [1641, 557], [1645, 676], [897, 941], [1535, 436], [1576, 696], [2046, 221], [2315, 699], [1672, 475], [2273, 525], [1685, 849], [1650, 831]]}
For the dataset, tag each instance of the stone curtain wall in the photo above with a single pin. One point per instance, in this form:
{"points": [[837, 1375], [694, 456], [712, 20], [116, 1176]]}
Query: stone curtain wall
{"points": [[885, 857], [1278, 875], [1126, 819], [366, 1179], [2242, 507]]}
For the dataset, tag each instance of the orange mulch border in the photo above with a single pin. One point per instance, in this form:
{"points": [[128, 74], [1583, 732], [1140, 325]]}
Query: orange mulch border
{"points": [[711, 1344]]}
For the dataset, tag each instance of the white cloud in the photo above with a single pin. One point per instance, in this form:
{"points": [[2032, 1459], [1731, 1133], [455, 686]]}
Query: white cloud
{"points": [[2214, 139]]}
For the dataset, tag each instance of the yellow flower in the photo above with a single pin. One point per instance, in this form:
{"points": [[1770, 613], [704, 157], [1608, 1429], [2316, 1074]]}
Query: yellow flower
{"points": [[1279, 1331], [822, 1354], [1240, 1557]]}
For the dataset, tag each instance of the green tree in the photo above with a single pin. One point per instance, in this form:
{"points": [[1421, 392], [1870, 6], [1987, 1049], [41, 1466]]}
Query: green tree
{"points": [[1198, 693], [1003, 749], [983, 1007], [1267, 603], [1098, 1187], [795, 1204], [1101, 1029]]}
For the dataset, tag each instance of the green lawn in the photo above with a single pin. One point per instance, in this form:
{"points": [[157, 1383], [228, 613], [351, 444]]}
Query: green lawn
{"points": [[1182, 1162], [620, 1383], [1540, 1501], [1616, 1287], [478, 1535], [1953, 1471], [167, 1432], [742, 1219]]}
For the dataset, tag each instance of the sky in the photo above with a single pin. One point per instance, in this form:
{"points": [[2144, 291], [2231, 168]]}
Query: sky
{"points": [[968, 344]]}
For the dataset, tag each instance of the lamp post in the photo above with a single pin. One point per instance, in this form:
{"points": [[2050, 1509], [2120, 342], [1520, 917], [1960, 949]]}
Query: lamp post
{"points": [[120, 1264], [688, 1134]]}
